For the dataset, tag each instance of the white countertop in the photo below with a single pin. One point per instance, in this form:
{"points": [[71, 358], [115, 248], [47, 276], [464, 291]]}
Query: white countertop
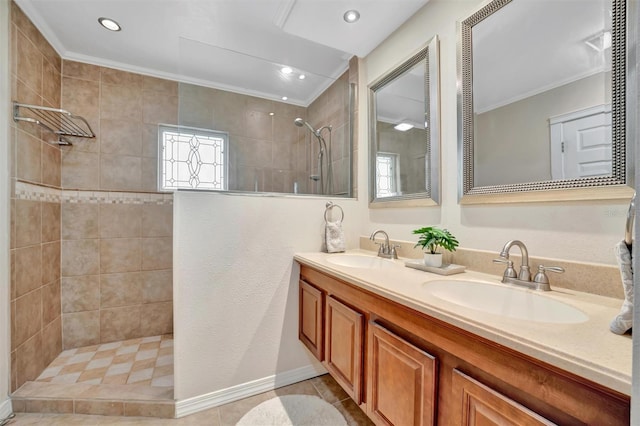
{"points": [[587, 349]]}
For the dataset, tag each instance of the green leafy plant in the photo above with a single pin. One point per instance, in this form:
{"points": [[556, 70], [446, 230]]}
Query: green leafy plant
{"points": [[432, 237]]}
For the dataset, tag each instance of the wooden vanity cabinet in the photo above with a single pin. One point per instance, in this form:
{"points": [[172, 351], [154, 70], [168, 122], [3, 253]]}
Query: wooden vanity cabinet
{"points": [[419, 370]]}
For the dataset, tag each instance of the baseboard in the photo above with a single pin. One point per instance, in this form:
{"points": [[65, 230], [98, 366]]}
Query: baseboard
{"points": [[5, 408], [199, 403]]}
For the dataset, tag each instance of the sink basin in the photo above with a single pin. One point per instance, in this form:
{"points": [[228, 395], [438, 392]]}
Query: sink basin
{"points": [[505, 301], [360, 261]]}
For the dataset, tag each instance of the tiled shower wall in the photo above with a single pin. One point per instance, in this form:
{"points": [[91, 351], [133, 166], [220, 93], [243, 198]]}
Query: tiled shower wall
{"points": [[116, 246], [332, 108], [35, 224]]}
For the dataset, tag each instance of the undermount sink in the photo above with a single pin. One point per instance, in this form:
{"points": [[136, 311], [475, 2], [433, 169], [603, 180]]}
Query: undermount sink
{"points": [[509, 302], [360, 261]]}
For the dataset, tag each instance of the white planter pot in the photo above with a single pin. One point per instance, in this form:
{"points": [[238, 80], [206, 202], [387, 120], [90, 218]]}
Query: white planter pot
{"points": [[434, 260]]}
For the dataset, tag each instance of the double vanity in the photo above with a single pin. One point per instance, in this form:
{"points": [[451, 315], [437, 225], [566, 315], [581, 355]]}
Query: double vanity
{"points": [[416, 348]]}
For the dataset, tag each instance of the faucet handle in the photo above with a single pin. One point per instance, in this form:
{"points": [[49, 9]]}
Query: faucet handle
{"points": [[541, 276], [509, 272], [394, 252]]}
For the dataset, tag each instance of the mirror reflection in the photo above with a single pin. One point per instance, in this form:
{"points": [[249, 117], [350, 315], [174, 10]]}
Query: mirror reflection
{"points": [[541, 96], [404, 130]]}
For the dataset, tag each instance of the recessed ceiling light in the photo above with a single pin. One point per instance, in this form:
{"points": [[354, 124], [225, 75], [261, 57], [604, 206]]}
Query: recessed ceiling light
{"points": [[109, 24], [284, 98], [286, 70], [403, 127], [272, 114], [302, 76], [351, 16]]}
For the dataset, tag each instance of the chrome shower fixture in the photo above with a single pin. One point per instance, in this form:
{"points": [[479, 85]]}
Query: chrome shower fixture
{"points": [[300, 123]]}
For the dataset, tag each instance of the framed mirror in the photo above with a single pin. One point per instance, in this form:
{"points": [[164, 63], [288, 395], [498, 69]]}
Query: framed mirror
{"points": [[404, 132], [541, 101]]}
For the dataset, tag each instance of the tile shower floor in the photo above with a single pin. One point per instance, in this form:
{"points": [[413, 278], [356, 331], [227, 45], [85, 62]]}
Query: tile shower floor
{"points": [[225, 415], [144, 361]]}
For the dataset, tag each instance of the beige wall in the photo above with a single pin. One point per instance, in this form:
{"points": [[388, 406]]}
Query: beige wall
{"points": [[116, 249], [411, 148], [35, 226], [513, 143]]}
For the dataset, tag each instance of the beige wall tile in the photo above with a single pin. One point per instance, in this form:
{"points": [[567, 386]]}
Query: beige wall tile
{"points": [[28, 269], [51, 256], [120, 323], [26, 95], [120, 255], [12, 223], [29, 63], [29, 360], [167, 87], [22, 22], [258, 125], [80, 293], [82, 96], [150, 175], [121, 102], [120, 172], [157, 253], [130, 80], [28, 317], [29, 158], [80, 257], [51, 84], [80, 170], [157, 318], [251, 153], [157, 220], [80, 329], [120, 220], [51, 341], [159, 108], [80, 221], [28, 222], [150, 142], [121, 137], [51, 217], [51, 164], [157, 286], [81, 70], [50, 302], [123, 289]]}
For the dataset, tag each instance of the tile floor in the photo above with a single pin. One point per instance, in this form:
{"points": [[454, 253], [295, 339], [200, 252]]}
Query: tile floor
{"points": [[225, 415], [143, 361]]}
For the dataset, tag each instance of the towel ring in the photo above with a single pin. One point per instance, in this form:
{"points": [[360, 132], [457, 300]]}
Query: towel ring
{"points": [[330, 206]]}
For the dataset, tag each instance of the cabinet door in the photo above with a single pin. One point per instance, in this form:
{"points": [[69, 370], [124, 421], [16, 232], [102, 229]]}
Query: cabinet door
{"points": [[310, 321], [483, 406], [343, 347], [401, 386]]}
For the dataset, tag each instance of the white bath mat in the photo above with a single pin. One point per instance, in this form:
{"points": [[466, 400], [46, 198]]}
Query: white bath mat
{"points": [[293, 410]]}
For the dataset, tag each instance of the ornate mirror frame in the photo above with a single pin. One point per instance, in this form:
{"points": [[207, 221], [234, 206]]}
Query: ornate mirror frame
{"points": [[616, 185], [429, 56]]}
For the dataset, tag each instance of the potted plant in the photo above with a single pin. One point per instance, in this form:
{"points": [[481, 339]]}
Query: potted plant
{"points": [[432, 237]]}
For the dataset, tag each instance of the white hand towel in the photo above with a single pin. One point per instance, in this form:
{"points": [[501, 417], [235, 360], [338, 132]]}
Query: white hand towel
{"points": [[334, 237], [624, 320]]}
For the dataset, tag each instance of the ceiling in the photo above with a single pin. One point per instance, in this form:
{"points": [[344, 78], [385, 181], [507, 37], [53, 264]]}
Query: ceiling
{"points": [[237, 45], [531, 46]]}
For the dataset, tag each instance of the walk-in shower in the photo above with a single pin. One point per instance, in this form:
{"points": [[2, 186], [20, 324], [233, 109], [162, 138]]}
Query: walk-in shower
{"points": [[325, 169]]}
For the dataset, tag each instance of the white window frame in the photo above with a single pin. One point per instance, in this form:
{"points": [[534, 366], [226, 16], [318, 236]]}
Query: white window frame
{"points": [[395, 174], [193, 132]]}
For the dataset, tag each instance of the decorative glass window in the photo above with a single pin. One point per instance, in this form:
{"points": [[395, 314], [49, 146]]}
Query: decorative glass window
{"points": [[386, 174], [193, 158]]}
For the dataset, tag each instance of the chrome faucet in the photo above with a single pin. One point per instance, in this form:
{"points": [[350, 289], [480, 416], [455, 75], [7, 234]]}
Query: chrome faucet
{"points": [[523, 277], [385, 250]]}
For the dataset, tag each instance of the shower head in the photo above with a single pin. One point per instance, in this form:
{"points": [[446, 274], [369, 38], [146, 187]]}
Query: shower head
{"points": [[300, 122]]}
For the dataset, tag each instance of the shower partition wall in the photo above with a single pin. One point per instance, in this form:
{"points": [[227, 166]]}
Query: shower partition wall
{"points": [[266, 151]]}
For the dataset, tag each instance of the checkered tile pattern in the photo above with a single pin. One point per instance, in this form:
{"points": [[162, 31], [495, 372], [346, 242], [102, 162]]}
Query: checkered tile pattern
{"points": [[144, 361]]}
